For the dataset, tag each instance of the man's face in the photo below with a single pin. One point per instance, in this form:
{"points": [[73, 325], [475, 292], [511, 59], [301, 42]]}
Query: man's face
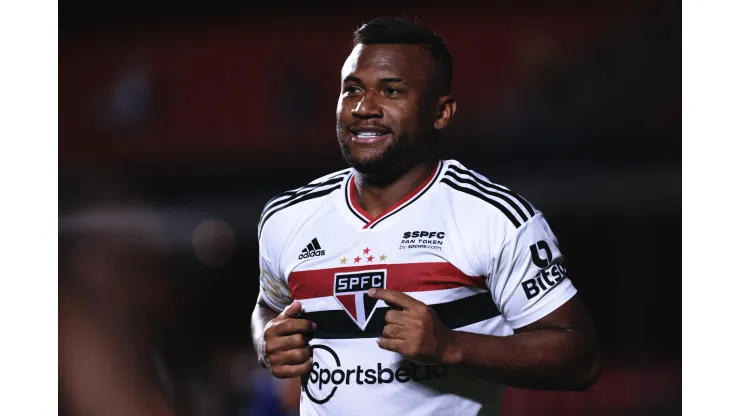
{"points": [[387, 107]]}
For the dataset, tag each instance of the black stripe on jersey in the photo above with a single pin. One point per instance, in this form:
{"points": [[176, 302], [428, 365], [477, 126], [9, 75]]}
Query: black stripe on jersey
{"points": [[455, 314], [429, 186], [296, 193], [493, 186], [488, 192], [479, 195], [293, 201], [299, 192]]}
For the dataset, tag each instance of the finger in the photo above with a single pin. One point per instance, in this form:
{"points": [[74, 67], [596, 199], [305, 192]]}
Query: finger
{"points": [[394, 317], [394, 298], [291, 371], [394, 345], [285, 343], [293, 326], [393, 331], [291, 357], [292, 310]]}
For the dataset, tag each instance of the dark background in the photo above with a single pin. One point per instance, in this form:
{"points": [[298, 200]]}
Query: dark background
{"points": [[206, 110]]}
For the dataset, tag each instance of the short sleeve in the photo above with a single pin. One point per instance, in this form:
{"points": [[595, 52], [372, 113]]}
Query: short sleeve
{"points": [[527, 279], [273, 288]]}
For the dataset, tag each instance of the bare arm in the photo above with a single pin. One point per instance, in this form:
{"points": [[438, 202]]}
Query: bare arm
{"points": [[558, 352]]}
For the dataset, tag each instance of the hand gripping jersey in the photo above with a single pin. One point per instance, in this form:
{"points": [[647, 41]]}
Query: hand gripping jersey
{"points": [[480, 255]]}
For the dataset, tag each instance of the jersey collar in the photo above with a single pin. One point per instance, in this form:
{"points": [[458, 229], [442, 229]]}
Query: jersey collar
{"points": [[350, 198]]}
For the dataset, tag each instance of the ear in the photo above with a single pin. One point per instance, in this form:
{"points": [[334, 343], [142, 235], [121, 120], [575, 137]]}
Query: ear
{"points": [[446, 107]]}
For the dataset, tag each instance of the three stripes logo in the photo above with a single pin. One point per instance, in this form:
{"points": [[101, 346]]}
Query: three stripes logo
{"points": [[313, 249]]}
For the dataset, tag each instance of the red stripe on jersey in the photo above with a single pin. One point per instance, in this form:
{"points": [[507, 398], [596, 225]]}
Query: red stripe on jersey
{"points": [[358, 208], [406, 277]]}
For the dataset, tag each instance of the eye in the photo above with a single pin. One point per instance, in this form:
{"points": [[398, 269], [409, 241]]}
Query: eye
{"points": [[392, 91], [352, 89]]}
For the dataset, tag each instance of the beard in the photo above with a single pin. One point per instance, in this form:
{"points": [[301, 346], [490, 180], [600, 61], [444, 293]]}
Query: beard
{"points": [[385, 167]]}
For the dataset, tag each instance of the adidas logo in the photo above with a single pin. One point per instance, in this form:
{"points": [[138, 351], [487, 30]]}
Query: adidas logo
{"points": [[313, 249]]}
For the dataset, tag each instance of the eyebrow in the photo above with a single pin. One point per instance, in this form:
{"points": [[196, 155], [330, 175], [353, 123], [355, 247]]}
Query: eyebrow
{"points": [[394, 79], [350, 78]]}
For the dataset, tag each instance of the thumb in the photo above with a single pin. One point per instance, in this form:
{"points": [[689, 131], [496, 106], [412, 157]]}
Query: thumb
{"points": [[293, 310]]}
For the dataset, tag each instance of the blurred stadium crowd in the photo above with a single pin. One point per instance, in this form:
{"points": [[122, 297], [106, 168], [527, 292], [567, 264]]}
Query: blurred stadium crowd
{"points": [[175, 130]]}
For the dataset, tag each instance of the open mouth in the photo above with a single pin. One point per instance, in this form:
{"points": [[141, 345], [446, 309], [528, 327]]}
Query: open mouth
{"points": [[368, 135]]}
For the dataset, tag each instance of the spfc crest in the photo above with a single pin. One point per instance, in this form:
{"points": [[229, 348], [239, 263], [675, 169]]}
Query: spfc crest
{"points": [[350, 289]]}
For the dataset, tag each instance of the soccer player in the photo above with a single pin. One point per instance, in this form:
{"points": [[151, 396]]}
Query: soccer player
{"points": [[407, 284]]}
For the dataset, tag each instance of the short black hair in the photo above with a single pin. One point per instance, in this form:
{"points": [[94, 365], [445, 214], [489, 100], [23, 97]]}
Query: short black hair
{"points": [[395, 30]]}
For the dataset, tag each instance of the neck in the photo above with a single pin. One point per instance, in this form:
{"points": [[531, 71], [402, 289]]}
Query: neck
{"points": [[376, 196]]}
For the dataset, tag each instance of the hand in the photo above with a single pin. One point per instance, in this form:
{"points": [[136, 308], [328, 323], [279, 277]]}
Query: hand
{"points": [[415, 330], [284, 348]]}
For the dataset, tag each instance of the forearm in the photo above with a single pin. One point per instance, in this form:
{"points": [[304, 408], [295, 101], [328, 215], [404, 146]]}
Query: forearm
{"points": [[260, 317], [552, 359]]}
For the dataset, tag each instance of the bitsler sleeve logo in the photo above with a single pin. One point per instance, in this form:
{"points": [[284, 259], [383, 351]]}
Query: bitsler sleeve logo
{"points": [[535, 251], [549, 275], [350, 289]]}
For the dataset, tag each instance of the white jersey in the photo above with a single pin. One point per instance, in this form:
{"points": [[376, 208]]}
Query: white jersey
{"points": [[481, 256]]}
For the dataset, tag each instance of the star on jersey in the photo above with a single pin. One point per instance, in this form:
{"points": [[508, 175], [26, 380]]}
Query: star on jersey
{"points": [[365, 257]]}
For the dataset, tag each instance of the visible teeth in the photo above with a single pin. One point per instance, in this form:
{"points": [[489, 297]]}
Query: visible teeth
{"points": [[369, 134]]}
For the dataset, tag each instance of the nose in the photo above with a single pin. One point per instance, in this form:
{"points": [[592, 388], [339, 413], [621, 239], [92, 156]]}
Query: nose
{"points": [[367, 107]]}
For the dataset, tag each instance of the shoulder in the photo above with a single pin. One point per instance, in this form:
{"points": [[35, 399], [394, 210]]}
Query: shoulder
{"points": [[295, 200], [477, 196]]}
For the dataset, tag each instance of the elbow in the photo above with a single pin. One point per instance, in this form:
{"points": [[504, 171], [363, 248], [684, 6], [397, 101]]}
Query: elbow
{"points": [[589, 373]]}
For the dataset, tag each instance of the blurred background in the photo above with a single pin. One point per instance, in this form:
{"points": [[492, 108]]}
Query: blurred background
{"points": [[178, 122]]}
